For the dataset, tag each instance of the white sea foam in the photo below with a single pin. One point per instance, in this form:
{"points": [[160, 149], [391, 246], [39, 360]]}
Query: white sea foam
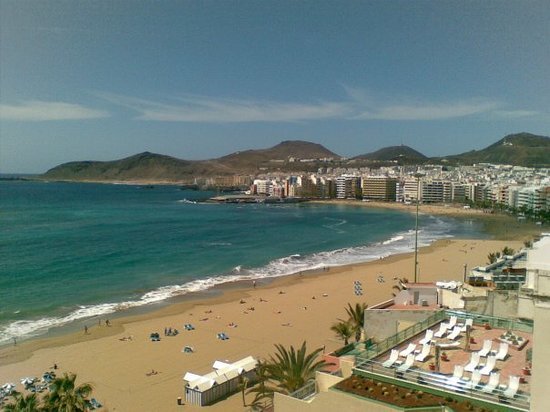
{"points": [[399, 243]]}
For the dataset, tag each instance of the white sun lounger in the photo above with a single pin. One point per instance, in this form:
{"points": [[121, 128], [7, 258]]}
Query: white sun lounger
{"points": [[492, 384], [427, 338], [391, 360], [408, 350], [421, 357], [502, 351], [474, 361], [454, 334], [469, 322], [513, 386], [407, 364], [457, 375], [476, 377], [442, 330], [489, 366], [487, 346], [452, 322]]}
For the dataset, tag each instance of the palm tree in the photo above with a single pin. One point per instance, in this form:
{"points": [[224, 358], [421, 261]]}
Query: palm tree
{"points": [[493, 257], [343, 329], [23, 403], [64, 396], [507, 251], [357, 318], [243, 384], [263, 394], [292, 369]]}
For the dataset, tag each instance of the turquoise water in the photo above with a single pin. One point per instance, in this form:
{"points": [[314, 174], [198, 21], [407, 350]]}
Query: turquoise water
{"points": [[73, 251]]}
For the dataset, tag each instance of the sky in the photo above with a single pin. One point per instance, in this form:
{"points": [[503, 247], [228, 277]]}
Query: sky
{"points": [[102, 80]]}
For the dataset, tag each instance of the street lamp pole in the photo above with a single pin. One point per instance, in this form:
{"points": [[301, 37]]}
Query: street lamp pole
{"points": [[418, 176]]}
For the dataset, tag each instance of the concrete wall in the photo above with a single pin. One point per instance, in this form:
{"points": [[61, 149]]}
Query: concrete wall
{"points": [[504, 303], [477, 304], [381, 324], [499, 303], [526, 307], [540, 401], [327, 402], [451, 299], [414, 296], [346, 365], [324, 381]]}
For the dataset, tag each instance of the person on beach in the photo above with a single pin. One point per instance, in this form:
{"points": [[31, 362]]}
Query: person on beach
{"points": [[254, 284], [85, 329], [107, 322]]}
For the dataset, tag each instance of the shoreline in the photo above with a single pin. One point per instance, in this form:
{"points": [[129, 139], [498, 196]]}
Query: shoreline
{"points": [[501, 227], [305, 310]]}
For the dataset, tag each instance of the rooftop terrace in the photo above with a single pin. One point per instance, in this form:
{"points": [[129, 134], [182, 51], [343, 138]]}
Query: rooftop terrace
{"points": [[422, 374]]}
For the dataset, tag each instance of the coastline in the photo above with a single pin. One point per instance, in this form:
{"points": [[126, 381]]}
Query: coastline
{"points": [[496, 225], [118, 368]]}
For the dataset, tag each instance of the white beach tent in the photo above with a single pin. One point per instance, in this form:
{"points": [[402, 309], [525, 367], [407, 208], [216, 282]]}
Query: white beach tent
{"points": [[224, 379]]}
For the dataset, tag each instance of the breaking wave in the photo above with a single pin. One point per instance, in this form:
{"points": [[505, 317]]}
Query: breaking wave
{"points": [[399, 243]]}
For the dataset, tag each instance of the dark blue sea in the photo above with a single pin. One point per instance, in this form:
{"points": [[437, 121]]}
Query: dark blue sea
{"points": [[70, 251]]}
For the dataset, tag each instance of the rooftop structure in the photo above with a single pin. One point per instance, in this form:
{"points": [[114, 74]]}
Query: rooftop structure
{"points": [[438, 366]]}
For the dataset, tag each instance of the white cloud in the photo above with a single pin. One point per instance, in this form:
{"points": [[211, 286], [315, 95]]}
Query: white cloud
{"points": [[514, 114], [374, 107], [428, 111], [193, 108], [37, 110], [359, 105]]}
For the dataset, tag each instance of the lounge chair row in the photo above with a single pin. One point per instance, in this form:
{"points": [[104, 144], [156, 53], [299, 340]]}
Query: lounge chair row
{"points": [[458, 381], [409, 354]]}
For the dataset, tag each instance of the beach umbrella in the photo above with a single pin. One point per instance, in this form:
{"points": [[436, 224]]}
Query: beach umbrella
{"points": [[27, 380], [48, 376]]}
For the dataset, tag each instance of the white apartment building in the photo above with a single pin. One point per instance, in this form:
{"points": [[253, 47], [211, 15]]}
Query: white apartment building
{"points": [[345, 186], [263, 186], [412, 190], [532, 198]]}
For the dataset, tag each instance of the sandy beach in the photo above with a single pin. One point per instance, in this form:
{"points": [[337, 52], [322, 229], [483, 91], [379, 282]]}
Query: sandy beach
{"points": [[287, 311]]}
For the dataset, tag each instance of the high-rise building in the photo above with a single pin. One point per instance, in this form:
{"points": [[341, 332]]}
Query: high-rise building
{"points": [[379, 188]]}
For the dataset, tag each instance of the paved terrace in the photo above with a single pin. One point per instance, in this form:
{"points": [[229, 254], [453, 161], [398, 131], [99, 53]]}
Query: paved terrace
{"points": [[421, 372]]}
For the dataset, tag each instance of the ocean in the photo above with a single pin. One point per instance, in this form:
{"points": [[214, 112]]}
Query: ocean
{"points": [[72, 252]]}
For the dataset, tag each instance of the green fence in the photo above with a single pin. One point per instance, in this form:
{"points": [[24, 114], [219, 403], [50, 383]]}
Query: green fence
{"points": [[439, 384], [305, 391], [376, 349]]}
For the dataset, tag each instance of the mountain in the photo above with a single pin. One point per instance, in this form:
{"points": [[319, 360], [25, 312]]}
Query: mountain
{"points": [[256, 159], [157, 167], [141, 166], [295, 156], [521, 149], [402, 154]]}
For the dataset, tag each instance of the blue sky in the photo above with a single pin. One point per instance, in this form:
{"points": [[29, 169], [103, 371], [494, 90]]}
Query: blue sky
{"points": [[101, 80]]}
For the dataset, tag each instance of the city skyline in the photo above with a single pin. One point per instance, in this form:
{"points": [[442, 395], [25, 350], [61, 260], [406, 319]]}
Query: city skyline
{"points": [[198, 80]]}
